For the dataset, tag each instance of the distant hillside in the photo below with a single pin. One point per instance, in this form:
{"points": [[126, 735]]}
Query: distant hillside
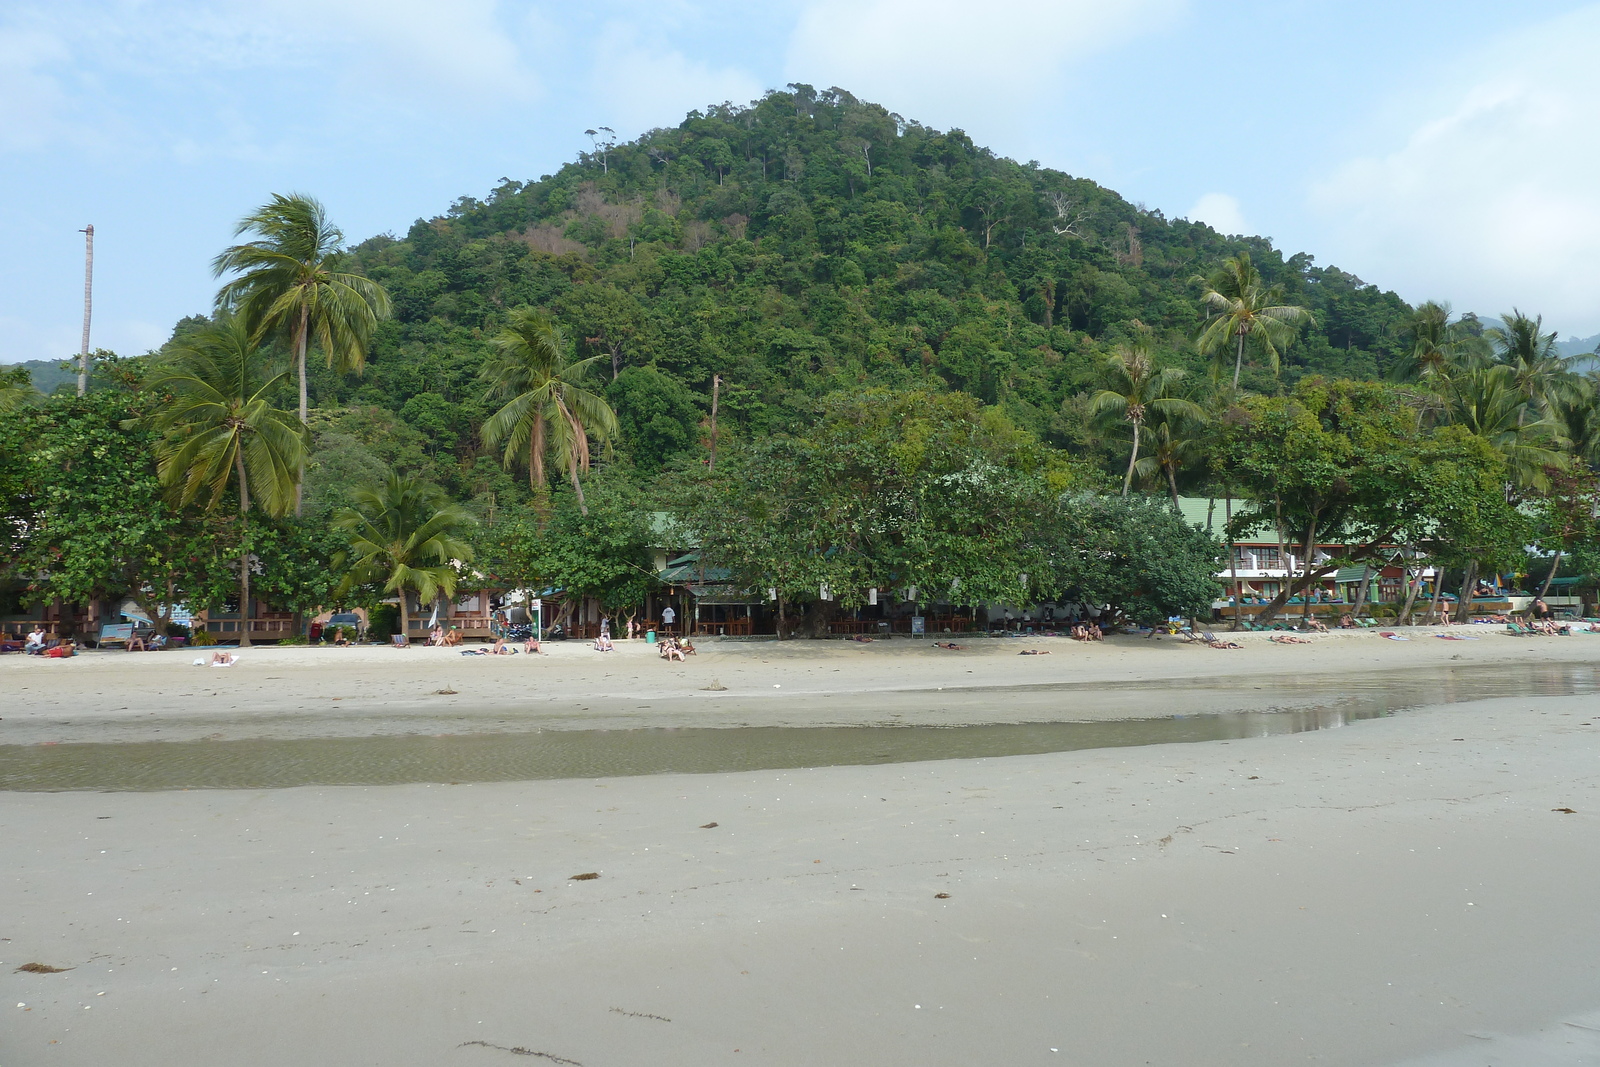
{"points": [[48, 374], [806, 243]]}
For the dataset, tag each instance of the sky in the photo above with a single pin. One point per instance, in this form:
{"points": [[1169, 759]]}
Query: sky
{"points": [[1446, 151]]}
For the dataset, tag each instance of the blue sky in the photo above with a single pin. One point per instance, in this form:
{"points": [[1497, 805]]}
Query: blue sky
{"points": [[1448, 151]]}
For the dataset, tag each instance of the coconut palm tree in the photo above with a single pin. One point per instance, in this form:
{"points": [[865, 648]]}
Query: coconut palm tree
{"points": [[548, 404], [221, 430], [407, 535], [1138, 388], [288, 281], [1174, 445], [1491, 404], [1245, 310], [1436, 345], [1540, 371]]}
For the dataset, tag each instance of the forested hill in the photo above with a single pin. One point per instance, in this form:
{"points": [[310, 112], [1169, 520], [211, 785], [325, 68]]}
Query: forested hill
{"points": [[805, 244]]}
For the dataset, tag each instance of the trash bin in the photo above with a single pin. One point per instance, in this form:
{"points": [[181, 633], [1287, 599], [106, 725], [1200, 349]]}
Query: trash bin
{"points": [[649, 637]]}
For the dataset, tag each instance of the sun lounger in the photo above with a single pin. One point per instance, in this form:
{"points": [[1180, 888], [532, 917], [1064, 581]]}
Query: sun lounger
{"points": [[1392, 636]]}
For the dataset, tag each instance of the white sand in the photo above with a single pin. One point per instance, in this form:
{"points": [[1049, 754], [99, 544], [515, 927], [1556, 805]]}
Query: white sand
{"points": [[1400, 888]]}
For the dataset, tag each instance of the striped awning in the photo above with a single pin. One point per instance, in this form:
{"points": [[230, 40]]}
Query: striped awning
{"points": [[1353, 575]]}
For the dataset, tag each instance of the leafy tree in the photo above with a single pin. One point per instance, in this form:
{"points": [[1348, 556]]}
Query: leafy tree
{"points": [[656, 413], [1246, 310], [886, 490], [1537, 368], [406, 536], [548, 402], [1137, 555], [221, 432], [288, 280]]}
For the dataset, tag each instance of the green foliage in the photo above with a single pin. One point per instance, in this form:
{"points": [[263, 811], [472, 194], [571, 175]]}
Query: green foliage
{"points": [[1136, 554], [404, 536], [887, 489], [656, 414]]}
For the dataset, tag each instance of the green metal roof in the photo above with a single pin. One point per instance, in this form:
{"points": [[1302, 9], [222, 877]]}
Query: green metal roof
{"points": [[1211, 514]]}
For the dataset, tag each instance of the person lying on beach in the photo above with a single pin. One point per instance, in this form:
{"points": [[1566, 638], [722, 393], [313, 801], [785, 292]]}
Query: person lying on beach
{"points": [[603, 643], [671, 650], [951, 645], [1288, 639], [862, 638], [1034, 652], [1317, 626], [1213, 641], [530, 646], [1548, 628], [223, 659], [65, 650], [501, 648], [1080, 633]]}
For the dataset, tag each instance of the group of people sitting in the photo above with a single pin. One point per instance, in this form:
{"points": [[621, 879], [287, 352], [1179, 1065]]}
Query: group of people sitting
{"points": [[40, 644], [671, 648], [1091, 632], [442, 638]]}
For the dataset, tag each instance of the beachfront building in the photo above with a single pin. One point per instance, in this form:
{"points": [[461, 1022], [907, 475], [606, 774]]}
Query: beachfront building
{"points": [[1262, 563]]}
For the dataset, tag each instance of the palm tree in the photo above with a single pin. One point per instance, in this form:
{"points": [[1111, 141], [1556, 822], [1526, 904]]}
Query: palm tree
{"points": [[287, 281], [1139, 388], [220, 429], [1540, 371], [547, 401], [1436, 346], [1172, 448], [407, 535], [1246, 309], [1491, 404]]}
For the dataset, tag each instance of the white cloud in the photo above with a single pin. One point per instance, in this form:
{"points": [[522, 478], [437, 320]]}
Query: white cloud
{"points": [[637, 86], [1493, 200], [31, 100], [1221, 212], [952, 62]]}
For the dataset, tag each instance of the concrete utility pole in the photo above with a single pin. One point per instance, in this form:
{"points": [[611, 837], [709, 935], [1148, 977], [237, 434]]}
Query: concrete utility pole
{"points": [[88, 303]]}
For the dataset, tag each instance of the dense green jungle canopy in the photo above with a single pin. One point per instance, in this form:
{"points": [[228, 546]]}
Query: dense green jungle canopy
{"points": [[805, 244]]}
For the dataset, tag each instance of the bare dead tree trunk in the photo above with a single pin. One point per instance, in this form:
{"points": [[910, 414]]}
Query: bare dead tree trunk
{"points": [[1233, 558], [1469, 582], [244, 551], [716, 389], [1554, 566]]}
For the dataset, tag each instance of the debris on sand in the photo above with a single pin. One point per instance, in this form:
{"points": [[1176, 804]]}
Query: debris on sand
{"points": [[709, 826], [520, 1051], [716, 686], [941, 896], [40, 968], [588, 877]]}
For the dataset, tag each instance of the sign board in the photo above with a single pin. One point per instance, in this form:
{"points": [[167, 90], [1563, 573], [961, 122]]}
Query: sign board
{"points": [[917, 626]]}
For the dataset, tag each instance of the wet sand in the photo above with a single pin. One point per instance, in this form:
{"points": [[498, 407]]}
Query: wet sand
{"points": [[1400, 890]]}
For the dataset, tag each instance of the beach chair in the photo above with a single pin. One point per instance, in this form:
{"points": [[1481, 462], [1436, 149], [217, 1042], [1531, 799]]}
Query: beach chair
{"points": [[400, 640], [1517, 631]]}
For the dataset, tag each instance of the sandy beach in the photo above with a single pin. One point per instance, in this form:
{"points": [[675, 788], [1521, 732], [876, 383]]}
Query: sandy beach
{"points": [[1405, 890]]}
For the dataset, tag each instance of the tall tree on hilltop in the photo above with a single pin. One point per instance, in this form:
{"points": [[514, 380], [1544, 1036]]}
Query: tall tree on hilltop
{"points": [[221, 430], [548, 404], [1137, 388], [288, 281], [407, 535], [1246, 310]]}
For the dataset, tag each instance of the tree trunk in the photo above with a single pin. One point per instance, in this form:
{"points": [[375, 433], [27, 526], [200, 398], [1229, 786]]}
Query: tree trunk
{"points": [[1238, 362], [716, 389], [88, 305], [780, 618], [301, 336], [1361, 590], [405, 616], [1305, 570], [1233, 558], [1469, 582], [1413, 587], [244, 550], [577, 486], [1172, 484], [1554, 566], [1361, 555], [1133, 457], [1438, 593]]}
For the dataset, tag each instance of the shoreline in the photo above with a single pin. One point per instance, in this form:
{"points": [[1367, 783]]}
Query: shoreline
{"points": [[298, 692], [1346, 897]]}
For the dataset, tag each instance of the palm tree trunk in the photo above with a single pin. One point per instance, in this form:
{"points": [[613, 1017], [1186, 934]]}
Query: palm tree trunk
{"points": [[244, 550], [1361, 590], [577, 486], [300, 338], [405, 617], [1438, 592], [1172, 484], [1554, 566], [1306, 567], [1133, 457], [1238, 362]]}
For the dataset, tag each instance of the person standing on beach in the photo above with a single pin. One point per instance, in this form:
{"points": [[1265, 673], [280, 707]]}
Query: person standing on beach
{"points": [[668, 617]]}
